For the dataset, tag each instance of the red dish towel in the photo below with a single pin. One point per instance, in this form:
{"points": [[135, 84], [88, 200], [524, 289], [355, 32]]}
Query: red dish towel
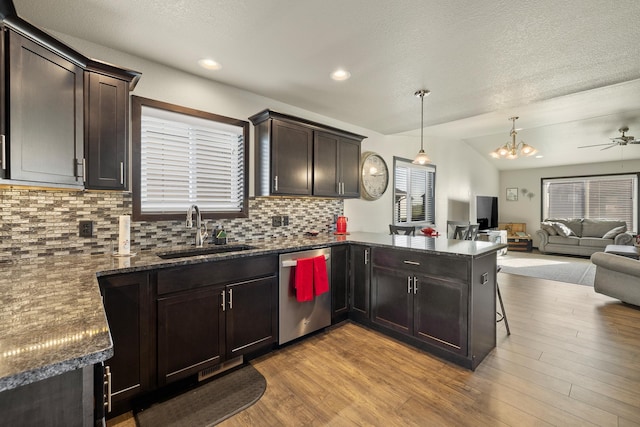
{"points": [[320, 280], [304, 279]]}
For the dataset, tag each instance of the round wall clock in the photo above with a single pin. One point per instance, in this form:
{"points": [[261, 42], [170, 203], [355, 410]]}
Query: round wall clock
{"points": [[375, 176]]}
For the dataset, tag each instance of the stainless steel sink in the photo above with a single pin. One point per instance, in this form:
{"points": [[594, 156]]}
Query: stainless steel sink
{"points": [[206, 250]]}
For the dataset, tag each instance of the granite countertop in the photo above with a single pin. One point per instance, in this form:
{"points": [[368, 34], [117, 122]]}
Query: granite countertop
{"points": [[51, 315]]}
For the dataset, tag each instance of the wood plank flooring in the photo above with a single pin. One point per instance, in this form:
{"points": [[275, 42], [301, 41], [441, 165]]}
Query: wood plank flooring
{"points": [[573, 358]]}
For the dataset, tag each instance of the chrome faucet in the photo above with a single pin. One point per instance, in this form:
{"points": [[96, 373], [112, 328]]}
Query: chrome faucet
{"points": [[201, 234]]}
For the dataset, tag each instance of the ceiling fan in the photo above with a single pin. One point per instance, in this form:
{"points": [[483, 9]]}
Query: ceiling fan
{"points": [[620, 140]]}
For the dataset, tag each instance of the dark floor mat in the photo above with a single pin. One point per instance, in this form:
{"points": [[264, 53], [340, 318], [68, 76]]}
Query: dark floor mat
{"points": [[208, 404]]}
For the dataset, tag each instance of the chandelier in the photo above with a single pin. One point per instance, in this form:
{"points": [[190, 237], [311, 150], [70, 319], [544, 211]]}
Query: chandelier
{"points": [[421, 157], [511, 150]]}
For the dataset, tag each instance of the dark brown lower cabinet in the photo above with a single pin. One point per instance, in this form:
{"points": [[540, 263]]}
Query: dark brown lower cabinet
{"points": [[440, 313], [127, 303], [392, 300], [443, 303], [360, 267], [251, 315], [190, 333], [199, 329], [172, 323], [339, 283]]}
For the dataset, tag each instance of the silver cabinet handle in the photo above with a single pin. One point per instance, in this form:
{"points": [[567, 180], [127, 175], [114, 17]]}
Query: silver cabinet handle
{"points": [[230, 299], [366, 256], [107, 383], [415, 285], [275, 183], [411, 262], [408, 284], [224, 298], [4, 153], [122, 173]]}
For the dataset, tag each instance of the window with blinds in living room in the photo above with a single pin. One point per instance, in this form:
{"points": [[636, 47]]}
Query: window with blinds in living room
{"points": [[184, 157], [605, 196], [413, 193]]}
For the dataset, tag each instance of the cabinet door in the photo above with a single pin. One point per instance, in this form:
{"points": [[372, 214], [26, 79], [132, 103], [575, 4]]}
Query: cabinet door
{"points": [[336, 166], [190, 333], [251, 315], [291, 159], [127, 306], [339, 283], [440, 313], [3, 103], [391, 299], [106, 126], [46, 122], [360, 280], [326, 178], [349, 155]]}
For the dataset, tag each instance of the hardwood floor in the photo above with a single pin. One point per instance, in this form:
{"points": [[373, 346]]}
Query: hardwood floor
{"points": [[573, 358]]}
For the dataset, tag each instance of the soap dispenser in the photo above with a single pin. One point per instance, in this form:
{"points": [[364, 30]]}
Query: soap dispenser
{"points": [[221, 236]]}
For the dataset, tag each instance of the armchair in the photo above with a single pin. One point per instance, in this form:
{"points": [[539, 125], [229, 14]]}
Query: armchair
{"points": [[617, 276]]}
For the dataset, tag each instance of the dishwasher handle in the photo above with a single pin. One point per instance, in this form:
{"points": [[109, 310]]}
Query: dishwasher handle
{"points": [[294, 262]]}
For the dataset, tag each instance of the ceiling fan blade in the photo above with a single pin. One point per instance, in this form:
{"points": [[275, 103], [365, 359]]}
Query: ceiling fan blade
{"points": [[606, 148], [599, 145]]}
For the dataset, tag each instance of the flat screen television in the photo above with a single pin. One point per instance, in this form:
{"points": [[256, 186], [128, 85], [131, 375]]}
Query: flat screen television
{"points": [[487, 212]]}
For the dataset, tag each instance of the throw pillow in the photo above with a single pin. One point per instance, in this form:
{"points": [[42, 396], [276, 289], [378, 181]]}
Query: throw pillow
{"points": [[563, 230], [611, 234], [548, 227]]}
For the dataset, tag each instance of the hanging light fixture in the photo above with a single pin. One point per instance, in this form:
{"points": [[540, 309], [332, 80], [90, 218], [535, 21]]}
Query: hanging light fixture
{"points": [[421, 157], [511, 150]]}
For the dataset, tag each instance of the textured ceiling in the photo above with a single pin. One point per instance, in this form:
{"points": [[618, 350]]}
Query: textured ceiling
{"points": [[555, 64]]}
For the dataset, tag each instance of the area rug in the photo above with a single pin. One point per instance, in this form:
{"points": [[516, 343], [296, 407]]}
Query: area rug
{"points": [[559, 268], [208, 404]]}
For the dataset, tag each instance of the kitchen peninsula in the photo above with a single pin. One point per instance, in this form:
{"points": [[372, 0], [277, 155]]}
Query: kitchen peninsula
{"points": [[53, 321]]}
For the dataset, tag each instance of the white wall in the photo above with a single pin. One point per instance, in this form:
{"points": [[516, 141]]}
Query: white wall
{"points": [[461, 173], [528, 210]]}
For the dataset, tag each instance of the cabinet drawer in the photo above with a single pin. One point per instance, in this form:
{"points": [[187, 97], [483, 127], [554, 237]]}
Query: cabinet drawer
{"points": [[215, 273], [430, 264]]}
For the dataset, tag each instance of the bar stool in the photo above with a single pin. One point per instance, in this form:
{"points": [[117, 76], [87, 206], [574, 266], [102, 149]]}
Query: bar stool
{"points": [[501, 316]]}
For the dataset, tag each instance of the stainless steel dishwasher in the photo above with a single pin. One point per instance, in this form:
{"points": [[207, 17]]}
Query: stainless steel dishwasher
{"points": [[297, 319]]}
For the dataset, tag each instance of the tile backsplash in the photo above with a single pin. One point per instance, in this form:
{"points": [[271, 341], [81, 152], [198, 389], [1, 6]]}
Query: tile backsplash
{"points": [[45, 222]]}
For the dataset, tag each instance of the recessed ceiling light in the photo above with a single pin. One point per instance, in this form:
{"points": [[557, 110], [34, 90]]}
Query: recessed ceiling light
{"points": [[340, 75], [539, 156], [209, 64]]}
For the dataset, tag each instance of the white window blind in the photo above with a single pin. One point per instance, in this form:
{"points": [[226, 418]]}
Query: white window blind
{"points": [[189, 160], [608, 197], [414, 193]]}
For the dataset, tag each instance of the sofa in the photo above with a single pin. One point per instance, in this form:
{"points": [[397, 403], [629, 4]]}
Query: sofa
{"points": [[581, 236], [617, 276]]}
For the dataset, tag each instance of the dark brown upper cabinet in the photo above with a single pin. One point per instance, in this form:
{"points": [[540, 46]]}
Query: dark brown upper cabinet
{"points": [[336, 165], [45, 115], [106, 118], [63, 116], [299, 157]]}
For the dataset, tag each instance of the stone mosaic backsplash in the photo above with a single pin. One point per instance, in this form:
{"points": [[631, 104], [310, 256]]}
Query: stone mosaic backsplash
{"points": [[37, 222]]}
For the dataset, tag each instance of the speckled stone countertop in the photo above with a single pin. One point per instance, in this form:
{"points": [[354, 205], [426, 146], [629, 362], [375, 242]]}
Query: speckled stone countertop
{"points": [[51, 315]]}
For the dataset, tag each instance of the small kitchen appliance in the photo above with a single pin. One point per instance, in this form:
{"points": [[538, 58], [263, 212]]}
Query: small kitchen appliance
{"points": [[341, 225]]}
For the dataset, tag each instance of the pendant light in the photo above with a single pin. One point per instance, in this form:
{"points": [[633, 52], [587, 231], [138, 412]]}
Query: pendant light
{"points": [[421, 157], [511, 150]]}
